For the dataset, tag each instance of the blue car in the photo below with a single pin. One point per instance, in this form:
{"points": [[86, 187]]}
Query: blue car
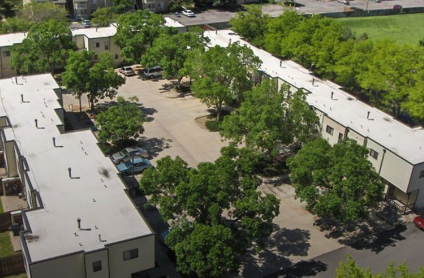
{"points": [[140, 164]]}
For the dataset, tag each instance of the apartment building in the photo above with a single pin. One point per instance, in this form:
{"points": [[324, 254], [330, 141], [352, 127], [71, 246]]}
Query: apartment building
{"points": [[81, 222], [99, 40], [395, 150], [155, 6], [6, 42]]}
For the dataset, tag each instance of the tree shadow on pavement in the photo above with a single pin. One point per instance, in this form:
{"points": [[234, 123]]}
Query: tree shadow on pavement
{"points": [[282, 242], [154, 145], [379, 242], [301, 269]]}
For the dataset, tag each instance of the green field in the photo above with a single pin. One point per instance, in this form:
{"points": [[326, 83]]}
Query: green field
{"points": [[404, 28], [6, 248]]}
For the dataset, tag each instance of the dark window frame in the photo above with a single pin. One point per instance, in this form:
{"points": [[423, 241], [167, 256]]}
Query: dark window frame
{"points": [[329, 130], [97, 266], [130, 254]]}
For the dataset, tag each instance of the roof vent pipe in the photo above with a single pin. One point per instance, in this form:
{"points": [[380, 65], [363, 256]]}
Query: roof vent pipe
{"points": [[332, 94], [368, 114], [79, 223], [22, 98], [54, 141], [36, 123], [70, 173]]}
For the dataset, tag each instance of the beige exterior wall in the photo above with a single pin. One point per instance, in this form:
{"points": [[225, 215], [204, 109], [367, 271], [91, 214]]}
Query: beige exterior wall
{"points": [[79, 41], [378, 151], [90, 258], [156, 6], [146, 257], [71, 266], [337, 129], [356, 136], [3, 122], [396, 171], [5, 61], [10, 159]]}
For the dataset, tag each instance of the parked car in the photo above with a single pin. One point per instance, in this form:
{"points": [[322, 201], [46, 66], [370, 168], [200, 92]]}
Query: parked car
{"points": [[86, 23], [127, 71], [177, 14], [127, 153], [188, 13], [377, 1], [419, 222], [152, 72], [139, 165], [397, 7], [346, 2]]}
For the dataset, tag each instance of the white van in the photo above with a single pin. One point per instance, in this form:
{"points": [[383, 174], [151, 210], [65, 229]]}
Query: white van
{"points": [[152, 72]]}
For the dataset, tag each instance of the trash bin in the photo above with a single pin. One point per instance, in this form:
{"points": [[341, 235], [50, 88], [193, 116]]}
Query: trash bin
{"points": [[16, 228]]}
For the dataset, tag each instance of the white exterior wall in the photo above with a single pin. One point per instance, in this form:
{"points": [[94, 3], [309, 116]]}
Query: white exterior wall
{"points": [[10, 159], [338, 128], [356, 136], [90, 258], [370, 144], [396, 170], [146, 257], [71, 266]]}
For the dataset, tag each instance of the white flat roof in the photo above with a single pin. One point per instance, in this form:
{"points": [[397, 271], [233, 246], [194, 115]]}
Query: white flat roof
{"points": [[96, 32], [172, 23], [95, 194], [344, 108], [11, 39]]}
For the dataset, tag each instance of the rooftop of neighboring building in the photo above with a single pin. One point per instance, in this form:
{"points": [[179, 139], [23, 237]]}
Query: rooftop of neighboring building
{"points": [[395, 136], [172, 23], [96, 32], [94, 193], [11, 39]]}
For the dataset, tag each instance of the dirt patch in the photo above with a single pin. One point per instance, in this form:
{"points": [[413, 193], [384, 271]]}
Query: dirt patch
{"points": [[201, 121]]}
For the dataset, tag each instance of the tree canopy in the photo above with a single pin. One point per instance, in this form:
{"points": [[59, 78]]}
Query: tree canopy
{"points": [[337, 181], [103, 16], [268, 117], [120, 122], [222, 73], [46, 47], [171, 52], [383, 73], [136, 31], [96, 78], [351, 270], [228, 214]]}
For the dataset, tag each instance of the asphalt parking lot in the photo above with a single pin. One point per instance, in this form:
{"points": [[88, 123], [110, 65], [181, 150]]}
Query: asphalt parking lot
{"points": [[171, 129]]}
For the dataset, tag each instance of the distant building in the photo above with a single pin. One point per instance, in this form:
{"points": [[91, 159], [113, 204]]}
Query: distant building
{"points": [[81, 222], [155, 6], [395, 150], [6, 42]]}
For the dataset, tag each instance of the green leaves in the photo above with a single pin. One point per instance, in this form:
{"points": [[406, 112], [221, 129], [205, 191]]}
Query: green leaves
{"points": [[120, 122], [338, 181]]}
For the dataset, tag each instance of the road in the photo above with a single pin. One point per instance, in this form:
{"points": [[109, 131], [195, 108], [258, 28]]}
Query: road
{"points": [[404, 243]]}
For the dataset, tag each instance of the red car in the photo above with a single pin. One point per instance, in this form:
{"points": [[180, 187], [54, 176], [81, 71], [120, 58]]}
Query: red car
{"points": [[419, 222]]}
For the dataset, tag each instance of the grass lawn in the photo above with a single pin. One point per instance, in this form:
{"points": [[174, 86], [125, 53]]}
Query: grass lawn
{"points": [[6, 248], [404, 28], [1, 207]]}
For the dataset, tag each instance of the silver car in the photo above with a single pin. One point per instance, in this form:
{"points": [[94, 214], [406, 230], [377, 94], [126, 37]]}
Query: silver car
{"points": [[127, 153]]}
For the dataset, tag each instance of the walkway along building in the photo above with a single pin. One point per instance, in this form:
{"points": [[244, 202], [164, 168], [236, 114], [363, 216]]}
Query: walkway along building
{"points": [[395, 150], [81, 221]]}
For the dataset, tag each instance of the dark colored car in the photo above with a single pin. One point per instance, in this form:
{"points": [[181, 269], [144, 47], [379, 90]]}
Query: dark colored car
{"points": [[419, 221], [397, 7]]}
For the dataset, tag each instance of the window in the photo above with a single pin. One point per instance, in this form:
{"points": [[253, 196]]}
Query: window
{"points": [[106, 46], [6, 53], [340, 138], [131, 254], [373, 154], [329, 130], [97, 266], [97, 44], [422, 174], [116, 56]]}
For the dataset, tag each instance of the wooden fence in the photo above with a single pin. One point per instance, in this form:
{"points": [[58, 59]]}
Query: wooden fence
{"points": [[12, 265], [5, 221]]}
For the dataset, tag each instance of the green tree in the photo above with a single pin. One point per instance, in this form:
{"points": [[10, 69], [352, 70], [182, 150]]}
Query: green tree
{"points": [[14, 24], [337, 181], [45, 48], [268, 117], [205, 250], [8, 8], [136, 31], [103, 16], [222, 73], [38, 12], [123, 6], [351, 270], [202, 195], [96, 78], [251, 24], [171, 52], [120, 122], [177, 4]]}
